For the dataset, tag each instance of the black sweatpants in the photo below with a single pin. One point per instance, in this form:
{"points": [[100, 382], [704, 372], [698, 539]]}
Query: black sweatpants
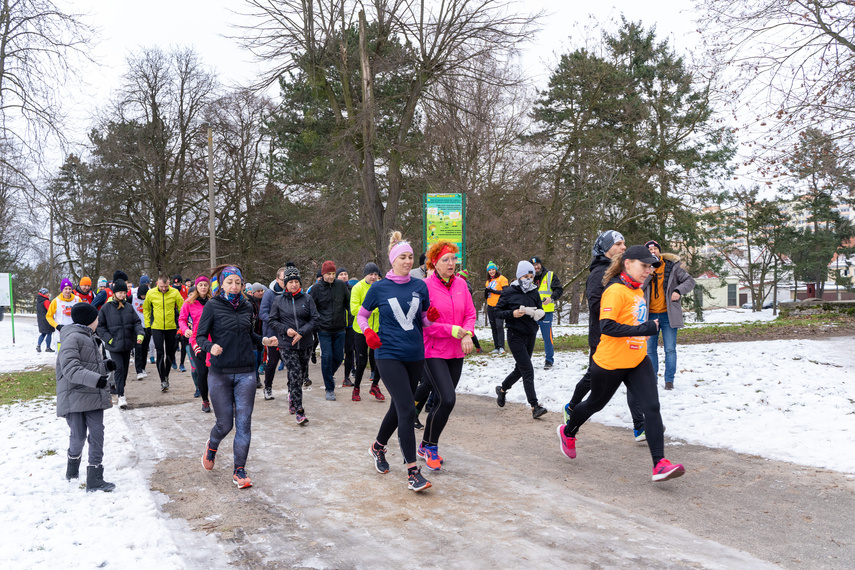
{"points": [[584, 386], [401, 379], [522, 348], [349, 351], [641, 381], [497, 325], [443, 376], [120, 376], [164, 348], [141, 352], [364, 356]]}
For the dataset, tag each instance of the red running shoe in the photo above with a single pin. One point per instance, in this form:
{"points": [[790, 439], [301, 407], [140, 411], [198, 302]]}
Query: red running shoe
{"points": [[356, 397], [375, 391], [568, 444], [665, 470]]}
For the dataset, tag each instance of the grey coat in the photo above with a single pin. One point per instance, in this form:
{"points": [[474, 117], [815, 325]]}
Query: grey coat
{"points": [[79, 365], [680, 281]]}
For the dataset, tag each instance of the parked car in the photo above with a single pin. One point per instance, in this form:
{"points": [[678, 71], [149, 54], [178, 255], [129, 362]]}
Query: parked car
{"points": [[766, 305]]}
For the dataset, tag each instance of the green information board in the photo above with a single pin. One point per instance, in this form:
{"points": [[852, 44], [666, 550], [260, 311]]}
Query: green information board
{"points": [[444, 218]]}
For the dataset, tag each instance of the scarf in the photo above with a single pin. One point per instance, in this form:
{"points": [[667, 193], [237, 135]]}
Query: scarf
{"points": [[399, 279], [233, 298], [527, 284], [629, 281]]}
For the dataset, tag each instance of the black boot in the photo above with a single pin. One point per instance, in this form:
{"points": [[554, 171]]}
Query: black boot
{"points": [[95, 479], [73, 469]]}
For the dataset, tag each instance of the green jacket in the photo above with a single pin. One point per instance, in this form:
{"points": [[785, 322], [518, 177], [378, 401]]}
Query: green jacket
{"points": [[357, 296]]}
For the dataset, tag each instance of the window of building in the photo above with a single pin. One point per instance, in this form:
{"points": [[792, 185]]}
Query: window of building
{"points": [[731, 295]]}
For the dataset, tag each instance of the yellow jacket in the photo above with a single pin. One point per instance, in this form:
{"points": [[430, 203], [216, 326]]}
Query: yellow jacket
{"points": [[64, 307], [357, 296], [159, 309]]}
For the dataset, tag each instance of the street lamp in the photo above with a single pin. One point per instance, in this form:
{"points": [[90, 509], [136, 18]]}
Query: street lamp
{"points": [[213, 236]]}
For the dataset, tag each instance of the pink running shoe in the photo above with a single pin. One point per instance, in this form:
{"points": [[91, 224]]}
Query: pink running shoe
{"points": [[568, 444], [665, 470]]}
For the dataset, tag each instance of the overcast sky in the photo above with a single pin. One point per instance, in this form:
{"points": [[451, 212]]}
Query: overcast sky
{"points": [[205, 24]]}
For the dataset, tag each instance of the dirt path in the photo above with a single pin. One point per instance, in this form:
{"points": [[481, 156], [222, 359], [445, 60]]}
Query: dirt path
{"points": [[505, 498]]}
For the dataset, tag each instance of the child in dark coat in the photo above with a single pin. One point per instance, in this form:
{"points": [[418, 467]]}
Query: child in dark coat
{"points": [[82, 394]]}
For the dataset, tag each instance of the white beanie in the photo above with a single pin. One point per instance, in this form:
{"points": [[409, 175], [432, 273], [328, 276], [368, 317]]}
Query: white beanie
{"points": [[523, 268]]}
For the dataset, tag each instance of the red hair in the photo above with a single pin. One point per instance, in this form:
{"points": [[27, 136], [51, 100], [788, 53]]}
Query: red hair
{"points": [[437, 250]]}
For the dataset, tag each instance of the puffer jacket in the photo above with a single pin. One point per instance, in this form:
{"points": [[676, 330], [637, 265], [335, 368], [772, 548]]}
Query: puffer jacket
{"points": [[455, 307], [676, 279], [79, 365], [42, 305], [296, 312], [119, 328], [231, 329], [273, 292]]}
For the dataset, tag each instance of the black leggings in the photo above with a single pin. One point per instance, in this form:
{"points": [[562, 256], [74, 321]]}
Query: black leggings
{"points": [[273, 358], [182, 344], [164, 348], [364, 356], [522, 347], [349, 349], [443, 375], [401, 379], [141, 352], [497, 326], [201, 374], [641, 381], [584, 386], [122, 360]]}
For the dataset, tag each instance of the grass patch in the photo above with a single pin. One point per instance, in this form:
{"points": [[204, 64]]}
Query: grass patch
{"points": [[25, 386]]}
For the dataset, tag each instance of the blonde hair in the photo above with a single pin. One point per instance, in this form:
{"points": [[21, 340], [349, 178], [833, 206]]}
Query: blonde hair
{"points": [[395, 238], [614, 269], [195, 294]]}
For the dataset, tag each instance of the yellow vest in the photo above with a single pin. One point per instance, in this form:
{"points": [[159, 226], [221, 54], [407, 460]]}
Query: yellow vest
{"points": [[545, 291]]}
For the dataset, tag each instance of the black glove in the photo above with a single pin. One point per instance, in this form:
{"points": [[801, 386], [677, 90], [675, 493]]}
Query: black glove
{"points": [[59, 327], [102, 382], [110, 364], [488, 292]]}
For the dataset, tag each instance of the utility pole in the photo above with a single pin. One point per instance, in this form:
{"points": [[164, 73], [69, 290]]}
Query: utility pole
{"points": [[211, 232], [51, 282]]}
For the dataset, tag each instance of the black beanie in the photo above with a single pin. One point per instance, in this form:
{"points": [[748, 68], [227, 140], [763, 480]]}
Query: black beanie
{"points": [[84, 314], [120, 285], [141, 291], [370, 268], [119, 274]]}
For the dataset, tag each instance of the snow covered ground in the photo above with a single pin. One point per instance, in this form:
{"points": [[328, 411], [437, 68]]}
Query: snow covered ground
{"points": [[787, 400]]}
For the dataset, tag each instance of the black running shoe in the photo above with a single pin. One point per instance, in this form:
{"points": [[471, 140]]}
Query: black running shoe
{"points": [[416, 481], [500, 396], [164, 386], [378, 452], [307, 383], [417, 424], [537, 411]]}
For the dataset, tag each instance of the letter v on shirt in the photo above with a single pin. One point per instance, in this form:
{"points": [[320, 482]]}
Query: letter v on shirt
{"points": [[406, 321]]}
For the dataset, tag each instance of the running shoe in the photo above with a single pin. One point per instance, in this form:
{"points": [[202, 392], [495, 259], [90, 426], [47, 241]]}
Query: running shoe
{"points": [[547, 365], [281, 365], [206, 407], [431, 456], [123, 403], [151, 359], [209, 456], [142, 374], [639, 435], [307, 383], [268, 394], [292, 409], [378, 452], [375, 391], [164, 386], [181, 368], [665, 470], [494, 351], [241, 478], [417, 424], [537, 411], [568, 444], [501, 351], [330, 396], [38, 349], [301, 417], [479, 350], [568, 411], [347, 383], [174, 366], [198, 394], [356, 397], [416, 481], [500, 396]]}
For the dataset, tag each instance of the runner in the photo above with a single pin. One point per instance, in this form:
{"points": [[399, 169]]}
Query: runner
{"points": [[349, 348], [404, 310], [621, 357], [332, 300], [121, 330], [294, 318], [277, 287], [364, 353], [188, 324], [495, 283], [521, 308], [227, 321], [84, 290], [59, 312], [141, 350], [160, 309], [446, 342]]}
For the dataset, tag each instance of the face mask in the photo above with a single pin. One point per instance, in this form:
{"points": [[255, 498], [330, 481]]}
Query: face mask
{"points": [[526, 284]]}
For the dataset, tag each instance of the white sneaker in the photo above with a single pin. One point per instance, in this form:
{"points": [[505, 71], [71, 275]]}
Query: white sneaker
{"points": [[501, 351], [123, 403], [141, 375], [495, 351]]}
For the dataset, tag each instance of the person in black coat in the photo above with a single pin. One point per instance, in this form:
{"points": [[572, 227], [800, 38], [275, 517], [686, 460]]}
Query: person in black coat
{"points": [[520, 306], [227, 319], [332, 299], [607, 245], [45, 329], [294, 318], [121, 329]]}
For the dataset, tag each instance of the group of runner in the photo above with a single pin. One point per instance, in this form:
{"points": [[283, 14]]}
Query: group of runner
{"points": [[413, 326]]}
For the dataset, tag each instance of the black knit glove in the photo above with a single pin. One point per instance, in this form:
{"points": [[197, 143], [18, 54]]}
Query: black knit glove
{"points": [[59, 327], [110, 364], [102, 382]]}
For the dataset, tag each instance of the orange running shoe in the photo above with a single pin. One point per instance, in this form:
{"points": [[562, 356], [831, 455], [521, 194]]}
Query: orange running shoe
{"points": [[241, 479], [209, 456]]}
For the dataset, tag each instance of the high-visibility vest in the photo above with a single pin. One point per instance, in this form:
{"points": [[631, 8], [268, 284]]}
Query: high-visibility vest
{"points": [[545, 291]]}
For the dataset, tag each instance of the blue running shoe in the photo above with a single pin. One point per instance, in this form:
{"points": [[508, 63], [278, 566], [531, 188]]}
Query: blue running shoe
{"points": [[568, 409], [639, 435], [182, 369], [281, 365]]}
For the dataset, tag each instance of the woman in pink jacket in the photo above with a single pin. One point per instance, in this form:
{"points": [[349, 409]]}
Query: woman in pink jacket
{"points": [[446, 342], [188, 323]]}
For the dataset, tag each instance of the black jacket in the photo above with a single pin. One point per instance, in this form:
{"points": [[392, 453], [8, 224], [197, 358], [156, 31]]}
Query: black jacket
{"points": [[296, 312], [41, 314], [118, 328], [594, 291], [232, 329], [613, 328], [511, 299], [332, 301]]}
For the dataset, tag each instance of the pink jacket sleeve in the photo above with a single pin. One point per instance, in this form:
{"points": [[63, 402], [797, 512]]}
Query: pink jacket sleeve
{"points": [[362, 318], [182, 318]]}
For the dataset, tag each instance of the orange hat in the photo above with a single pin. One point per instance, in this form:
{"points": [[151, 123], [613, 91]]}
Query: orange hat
{"points": [[86, 281]]}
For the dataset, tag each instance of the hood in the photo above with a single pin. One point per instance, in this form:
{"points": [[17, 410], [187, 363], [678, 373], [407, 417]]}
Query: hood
{"points": [[599, 260], [672, 257]]}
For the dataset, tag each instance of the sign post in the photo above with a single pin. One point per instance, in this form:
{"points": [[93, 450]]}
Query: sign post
{"points": [[445, 219], [7, 299]]}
